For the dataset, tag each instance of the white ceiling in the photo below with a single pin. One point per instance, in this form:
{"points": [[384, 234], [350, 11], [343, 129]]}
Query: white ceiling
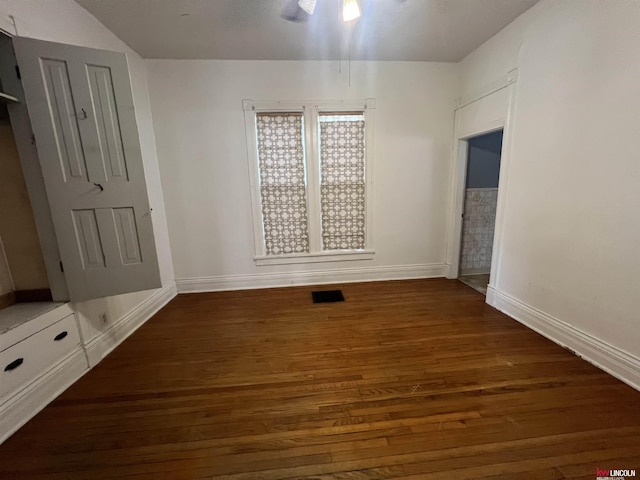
{"points": [[419, 30]]}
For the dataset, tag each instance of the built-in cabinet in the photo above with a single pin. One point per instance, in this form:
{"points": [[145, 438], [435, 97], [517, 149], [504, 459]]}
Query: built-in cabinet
{"points": [[38, 342], [23, 275]]}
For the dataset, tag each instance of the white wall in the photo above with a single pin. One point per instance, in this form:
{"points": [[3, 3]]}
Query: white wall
{"points": [[66, 22], [572, 228], [199, 126]]}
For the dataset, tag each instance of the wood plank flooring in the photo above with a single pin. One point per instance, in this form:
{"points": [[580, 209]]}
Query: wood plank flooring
{"points": [[405, 380]]}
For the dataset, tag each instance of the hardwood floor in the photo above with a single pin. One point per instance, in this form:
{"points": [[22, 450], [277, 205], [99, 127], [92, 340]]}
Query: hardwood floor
{"points": [[406, 380]]}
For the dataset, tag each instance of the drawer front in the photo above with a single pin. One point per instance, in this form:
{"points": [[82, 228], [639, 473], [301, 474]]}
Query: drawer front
{"points": [[27, 360], [34, 325]]}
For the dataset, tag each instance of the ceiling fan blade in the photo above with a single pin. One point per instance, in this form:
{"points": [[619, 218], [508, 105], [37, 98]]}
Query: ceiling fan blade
{"points": [[293, 12], [307, 5]]}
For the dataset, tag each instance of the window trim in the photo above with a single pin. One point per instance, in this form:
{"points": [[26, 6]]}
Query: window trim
{"points": [[310, 110]]}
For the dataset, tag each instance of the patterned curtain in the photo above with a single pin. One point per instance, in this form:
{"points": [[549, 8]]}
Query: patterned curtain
{"points": [[282, 182], [342, 186]]}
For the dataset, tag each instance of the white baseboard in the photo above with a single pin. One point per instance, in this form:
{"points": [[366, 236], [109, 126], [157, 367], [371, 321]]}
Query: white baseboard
{"points": [[612, 360], [319, 277], [99, 347], [22, 407]]}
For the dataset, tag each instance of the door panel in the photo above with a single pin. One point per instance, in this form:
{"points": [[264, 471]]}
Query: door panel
{"points": [[83, 117], [127, 231], [64, 121], [107, 123], [88, 238]]}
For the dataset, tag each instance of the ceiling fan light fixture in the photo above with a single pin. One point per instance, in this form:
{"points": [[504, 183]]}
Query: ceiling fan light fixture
{"points": [[307, 5], [350, 10]]}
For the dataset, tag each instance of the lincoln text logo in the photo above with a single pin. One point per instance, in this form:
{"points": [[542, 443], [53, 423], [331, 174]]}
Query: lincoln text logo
{"points": [[614, 474]]}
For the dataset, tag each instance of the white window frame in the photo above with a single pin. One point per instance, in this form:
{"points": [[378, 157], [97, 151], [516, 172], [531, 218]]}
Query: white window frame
{"points": [[310, 110]]}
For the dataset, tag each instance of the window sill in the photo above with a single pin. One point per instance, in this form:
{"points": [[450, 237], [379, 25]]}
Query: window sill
{"points": [[347, 255]]}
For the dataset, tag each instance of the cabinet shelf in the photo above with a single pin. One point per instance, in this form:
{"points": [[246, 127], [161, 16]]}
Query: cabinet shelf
{"points": [[6, 98]]}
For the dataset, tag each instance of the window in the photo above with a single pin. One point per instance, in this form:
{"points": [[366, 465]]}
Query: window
{"points": [[282, 182], [342, 185], [311, 180]]}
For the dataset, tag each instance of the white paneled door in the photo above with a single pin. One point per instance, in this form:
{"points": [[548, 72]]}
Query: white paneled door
{"points": [[81, 108]]}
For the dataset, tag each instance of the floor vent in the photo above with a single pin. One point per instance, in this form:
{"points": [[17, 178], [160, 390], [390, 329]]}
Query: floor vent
{"points": [[327, 296]]}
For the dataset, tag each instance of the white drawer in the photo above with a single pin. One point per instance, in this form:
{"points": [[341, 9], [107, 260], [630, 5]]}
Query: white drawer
{"points": [[27, 360], [22, 320]]}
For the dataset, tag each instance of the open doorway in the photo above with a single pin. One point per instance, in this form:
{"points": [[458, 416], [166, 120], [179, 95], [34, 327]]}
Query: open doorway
{"points": [[479, 213]]}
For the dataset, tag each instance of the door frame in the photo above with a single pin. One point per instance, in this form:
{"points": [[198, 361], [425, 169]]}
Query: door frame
{"points": [[488, 121], [463, 150]]}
